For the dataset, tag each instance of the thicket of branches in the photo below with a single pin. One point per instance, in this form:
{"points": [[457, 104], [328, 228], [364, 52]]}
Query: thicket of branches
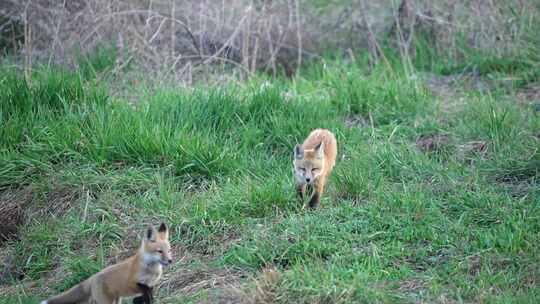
{"points": [[186, 38]]}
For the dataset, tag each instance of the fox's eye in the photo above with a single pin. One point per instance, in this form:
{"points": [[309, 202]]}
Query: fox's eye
{"points": [[314, 169], [302, 169], [160, 251]]}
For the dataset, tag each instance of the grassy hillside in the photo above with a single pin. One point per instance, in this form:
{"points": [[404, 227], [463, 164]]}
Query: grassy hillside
{"points": [[434, 198]]}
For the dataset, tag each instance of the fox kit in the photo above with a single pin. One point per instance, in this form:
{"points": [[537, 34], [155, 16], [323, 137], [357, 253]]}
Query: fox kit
{"points": [[136, 275], [313, 162]]}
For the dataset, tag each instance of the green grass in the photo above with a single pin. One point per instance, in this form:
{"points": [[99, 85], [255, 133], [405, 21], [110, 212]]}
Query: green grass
{"points": [[397, 224]]}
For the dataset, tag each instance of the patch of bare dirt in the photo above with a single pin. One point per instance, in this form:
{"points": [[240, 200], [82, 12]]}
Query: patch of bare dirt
{"points": [[433, 143], [530, 97], [530, 94], [356, 121], [518, 189], [445, 299], [17, 204], [30, 287], [444, 88], [413, 285], [12, 208], [265, 286], [224, 286], [474, 265], [8, 270], [262, 291], [478, 147], [439, 84], [60, 199]]}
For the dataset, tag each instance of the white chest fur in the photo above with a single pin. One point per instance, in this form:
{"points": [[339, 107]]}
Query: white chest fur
{"points": [[151, 270]]}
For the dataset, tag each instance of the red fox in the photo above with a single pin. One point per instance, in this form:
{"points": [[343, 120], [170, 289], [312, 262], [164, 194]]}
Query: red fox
{"points": [[135, 275], [313, 162]]}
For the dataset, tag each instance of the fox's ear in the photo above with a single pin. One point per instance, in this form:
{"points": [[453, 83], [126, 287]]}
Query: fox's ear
{"points": [[150, 234], [163, 231], [319, 150], [298, 152], [162, 227]]}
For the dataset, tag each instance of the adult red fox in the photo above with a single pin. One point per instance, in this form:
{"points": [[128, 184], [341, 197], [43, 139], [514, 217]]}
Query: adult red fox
{"points": [[137, 274], [313, 162]]}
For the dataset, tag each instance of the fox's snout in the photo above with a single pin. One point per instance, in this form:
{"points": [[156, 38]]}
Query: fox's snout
{"points": [[305, 176], [166, 258], [166, 262]]}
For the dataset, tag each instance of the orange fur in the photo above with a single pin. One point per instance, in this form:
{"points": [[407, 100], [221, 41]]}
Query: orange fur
{"points": [[120, 280], [313, 163]]}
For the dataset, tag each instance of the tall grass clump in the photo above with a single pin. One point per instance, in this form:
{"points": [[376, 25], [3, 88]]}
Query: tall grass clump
{"points": [[424, 205]]}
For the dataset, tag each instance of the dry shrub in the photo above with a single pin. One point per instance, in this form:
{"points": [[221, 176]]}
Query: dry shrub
{"points": [[189, 38], [178, 37], [11, 32]]}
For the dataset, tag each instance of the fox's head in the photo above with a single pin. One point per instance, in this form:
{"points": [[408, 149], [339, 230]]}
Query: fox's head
{"points": [[308, 163], [156, 247]]}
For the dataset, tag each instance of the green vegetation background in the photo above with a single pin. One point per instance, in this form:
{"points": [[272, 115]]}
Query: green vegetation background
{"points": [[434, 198]]}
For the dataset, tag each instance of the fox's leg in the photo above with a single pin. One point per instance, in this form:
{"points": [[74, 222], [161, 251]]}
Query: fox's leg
{"points": [[319, 189], [103, 299], [146, 297], [301, 191], [100, 297]]}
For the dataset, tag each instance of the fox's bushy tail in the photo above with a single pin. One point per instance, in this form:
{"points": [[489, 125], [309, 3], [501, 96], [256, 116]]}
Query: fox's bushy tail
{"points": [[76, 294]]}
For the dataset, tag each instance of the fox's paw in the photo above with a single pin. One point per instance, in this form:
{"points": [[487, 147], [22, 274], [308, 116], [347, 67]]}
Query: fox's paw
{"points": [[140, 300], [314, 201]]}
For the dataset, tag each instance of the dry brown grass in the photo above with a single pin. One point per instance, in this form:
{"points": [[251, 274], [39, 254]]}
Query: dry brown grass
{"points": [[12, 209], [187, 39], [182, 38], [261, 289], [191, 281]]}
